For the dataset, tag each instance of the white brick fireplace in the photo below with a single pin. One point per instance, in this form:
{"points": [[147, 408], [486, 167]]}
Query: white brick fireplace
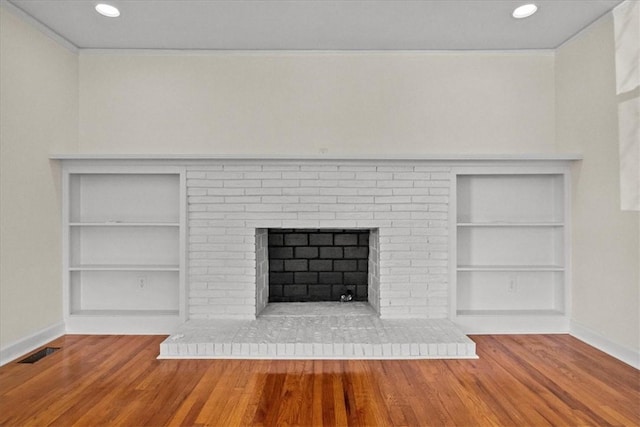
{"points": [[231, 205], [153, 243], [165, 244]]}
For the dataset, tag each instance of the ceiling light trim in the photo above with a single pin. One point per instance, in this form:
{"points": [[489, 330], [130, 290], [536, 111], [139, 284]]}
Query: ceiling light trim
{"points": [[108, 10], [524, 11]]}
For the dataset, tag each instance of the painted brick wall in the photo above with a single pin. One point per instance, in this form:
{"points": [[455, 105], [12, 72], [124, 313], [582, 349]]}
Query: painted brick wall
{"points": [[262, 269], [406, 205]]}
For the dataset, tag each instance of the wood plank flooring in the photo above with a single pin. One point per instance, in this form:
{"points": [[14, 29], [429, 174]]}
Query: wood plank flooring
{"points": [[519, 380]]}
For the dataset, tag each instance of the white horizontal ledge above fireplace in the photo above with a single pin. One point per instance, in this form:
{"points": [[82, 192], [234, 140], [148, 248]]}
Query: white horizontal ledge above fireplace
{"points": [[202, 260], [466, 158]]}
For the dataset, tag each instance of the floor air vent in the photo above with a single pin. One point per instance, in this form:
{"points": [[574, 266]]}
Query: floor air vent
{"points": [[39, 355]]}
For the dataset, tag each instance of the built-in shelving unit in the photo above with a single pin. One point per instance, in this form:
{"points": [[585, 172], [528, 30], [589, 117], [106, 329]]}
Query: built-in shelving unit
{"points": [[510, 250], [124, 239], [124, 263]]}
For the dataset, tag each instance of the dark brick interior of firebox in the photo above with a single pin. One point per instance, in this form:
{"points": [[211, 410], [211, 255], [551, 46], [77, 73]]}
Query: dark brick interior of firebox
{"points": [[317, 265]]}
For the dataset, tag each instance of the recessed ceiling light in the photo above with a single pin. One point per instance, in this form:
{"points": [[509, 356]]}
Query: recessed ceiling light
{"points": [[525, 11], [107, 10]]}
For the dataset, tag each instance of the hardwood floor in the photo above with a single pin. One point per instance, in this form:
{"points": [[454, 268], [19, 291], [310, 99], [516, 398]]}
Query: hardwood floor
{"points": [[518, 381]]}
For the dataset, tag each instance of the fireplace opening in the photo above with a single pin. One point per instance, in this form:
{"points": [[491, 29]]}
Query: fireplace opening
{"points": [[312, 265]]}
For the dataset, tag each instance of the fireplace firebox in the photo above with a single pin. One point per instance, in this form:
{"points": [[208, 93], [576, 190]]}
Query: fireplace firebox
{"points": [[308, 265]]}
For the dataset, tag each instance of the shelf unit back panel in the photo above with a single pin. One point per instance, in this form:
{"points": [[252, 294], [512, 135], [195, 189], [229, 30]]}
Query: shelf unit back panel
{"points": [[510, 198], [124, 198], [116, 290], [124, 246], [512, 246], [487, 291]]}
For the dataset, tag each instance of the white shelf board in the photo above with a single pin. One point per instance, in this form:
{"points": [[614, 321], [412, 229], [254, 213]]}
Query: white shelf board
{"points": [[119, 322], [510, 224], [406, 157], [123, 313], [549, 312], [122, 267], [123, 224], [510, 268], [514, 322]]}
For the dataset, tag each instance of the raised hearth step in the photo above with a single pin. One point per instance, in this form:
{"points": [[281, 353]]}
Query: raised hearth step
{"points": [[278, 335]]}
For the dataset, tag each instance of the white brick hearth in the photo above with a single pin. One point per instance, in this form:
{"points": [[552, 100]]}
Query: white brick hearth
{"points": [[328, 330], [404, 205]]}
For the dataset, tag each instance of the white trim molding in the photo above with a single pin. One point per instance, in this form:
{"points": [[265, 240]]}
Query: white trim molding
{"points": [[464, 158], [26, 345], [602, 343]]}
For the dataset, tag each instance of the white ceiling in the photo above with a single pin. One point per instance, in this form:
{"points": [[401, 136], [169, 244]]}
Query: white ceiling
{"points": [[316, 25]]}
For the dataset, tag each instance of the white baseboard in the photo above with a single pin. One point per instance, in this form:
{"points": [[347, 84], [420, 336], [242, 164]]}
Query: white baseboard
{"points": [[25, 345], [122, 325], [515, 324], [594, 339]]}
